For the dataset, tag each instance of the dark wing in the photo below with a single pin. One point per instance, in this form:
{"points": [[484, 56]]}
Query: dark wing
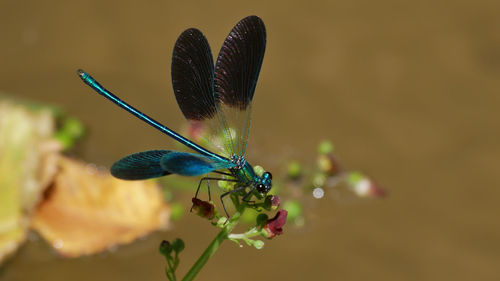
{"points": [[221, 102], [236, 73], [193, 84], [140, 166], [238, 64], [193, 75]]}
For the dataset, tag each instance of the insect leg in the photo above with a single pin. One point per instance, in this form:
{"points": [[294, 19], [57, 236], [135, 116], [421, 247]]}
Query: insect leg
{"points": [[246, 196], [207, 179], [239, 188]]}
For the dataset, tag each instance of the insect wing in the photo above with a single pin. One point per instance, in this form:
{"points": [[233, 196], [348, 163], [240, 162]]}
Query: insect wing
{"points": [[140, 166], [193, 75], [192, 164], [220, 102], [236, 73]]}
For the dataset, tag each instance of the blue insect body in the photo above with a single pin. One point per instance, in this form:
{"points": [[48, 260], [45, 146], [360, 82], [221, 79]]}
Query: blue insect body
{"points": [[219, 96]]}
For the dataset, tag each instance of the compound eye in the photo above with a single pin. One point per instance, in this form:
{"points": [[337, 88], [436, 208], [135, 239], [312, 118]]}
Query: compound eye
{"points": [[268, 175], [261, 188]]}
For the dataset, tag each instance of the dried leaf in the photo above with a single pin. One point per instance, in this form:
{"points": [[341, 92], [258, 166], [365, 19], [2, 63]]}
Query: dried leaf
{"points": [[27, 154], [87, 211]]}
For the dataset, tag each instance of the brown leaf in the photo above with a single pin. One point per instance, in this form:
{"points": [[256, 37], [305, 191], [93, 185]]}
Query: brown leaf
{"points": [[87, 211], [27, 153]]}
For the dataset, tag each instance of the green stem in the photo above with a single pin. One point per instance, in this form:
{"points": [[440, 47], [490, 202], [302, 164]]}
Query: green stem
{"points": [[250, 233], [214, 245]]}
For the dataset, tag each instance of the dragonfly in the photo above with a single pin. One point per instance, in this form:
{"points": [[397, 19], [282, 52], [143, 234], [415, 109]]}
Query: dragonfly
{"points": [[217, 96]]}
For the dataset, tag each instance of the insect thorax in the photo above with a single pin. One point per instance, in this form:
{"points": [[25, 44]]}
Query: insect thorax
{"points": [[239, 161], [243, 170]]}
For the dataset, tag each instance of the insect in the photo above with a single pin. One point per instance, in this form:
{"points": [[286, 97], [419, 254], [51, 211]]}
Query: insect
{"points": [[220, 97]]}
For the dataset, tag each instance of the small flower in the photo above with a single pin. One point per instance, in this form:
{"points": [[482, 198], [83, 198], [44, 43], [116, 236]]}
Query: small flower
{"points": [[329, 165], [325, 147], [275, 225], [364, 186], [368, 188], [319, 180], [203, 209], [271, 202]]}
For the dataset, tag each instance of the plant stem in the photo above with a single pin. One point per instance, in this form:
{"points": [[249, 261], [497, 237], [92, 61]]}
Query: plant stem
{"points": [[214, 245]]}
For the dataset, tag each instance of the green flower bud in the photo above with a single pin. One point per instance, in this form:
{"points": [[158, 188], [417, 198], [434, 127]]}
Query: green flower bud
{"points": [[165, 248], [221, 222], [258, 244], [294, 170], [178, 245], [328, 164], [319, 180], [325, 147], [226, 185], [259, 171]]}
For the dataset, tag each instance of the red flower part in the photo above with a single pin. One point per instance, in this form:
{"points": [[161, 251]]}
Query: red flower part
{"points": [[275, 201], [275, 225], [272, 202], [203, 209], [377, 191]]}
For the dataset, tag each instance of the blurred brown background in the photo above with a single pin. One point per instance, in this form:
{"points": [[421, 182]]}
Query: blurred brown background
{"points": [[407, 90]]}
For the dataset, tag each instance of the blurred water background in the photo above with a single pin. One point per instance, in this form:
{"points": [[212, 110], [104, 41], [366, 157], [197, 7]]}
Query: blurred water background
{"points": [[407, 90]]}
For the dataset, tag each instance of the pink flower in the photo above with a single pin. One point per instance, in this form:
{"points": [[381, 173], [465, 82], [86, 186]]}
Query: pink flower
{"points": [[275, 225], [272, 202], [367, 188]]}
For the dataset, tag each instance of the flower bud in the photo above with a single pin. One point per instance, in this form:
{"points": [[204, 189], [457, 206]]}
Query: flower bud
{"points": [[226, 185], [294, 170], [328, 164], [271, 202], [364, 187], [258, 244], [258, 170], [325, 147], [165, 248], [178, 245]]}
